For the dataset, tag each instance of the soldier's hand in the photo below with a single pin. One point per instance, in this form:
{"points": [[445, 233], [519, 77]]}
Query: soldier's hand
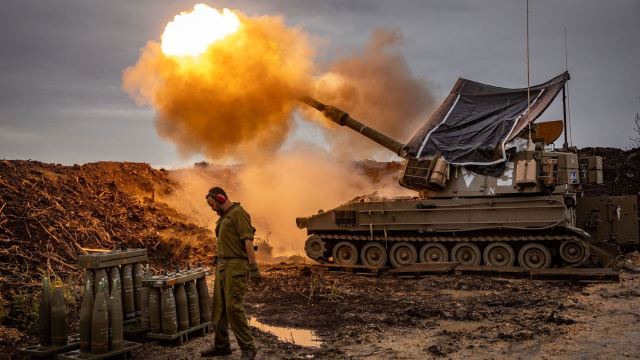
{"points": [[254, 274]]}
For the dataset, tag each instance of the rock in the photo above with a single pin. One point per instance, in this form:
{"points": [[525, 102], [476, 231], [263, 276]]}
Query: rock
{"points": [[460, 314], [559, 320]]}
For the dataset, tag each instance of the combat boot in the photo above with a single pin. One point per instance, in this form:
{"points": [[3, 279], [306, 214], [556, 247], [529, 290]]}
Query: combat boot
{"points": [[216, 351], [248, 354]]}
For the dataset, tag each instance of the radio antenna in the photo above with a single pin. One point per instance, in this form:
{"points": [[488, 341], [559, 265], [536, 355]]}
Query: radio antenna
{"points": [[528, 72], [568, 107]]}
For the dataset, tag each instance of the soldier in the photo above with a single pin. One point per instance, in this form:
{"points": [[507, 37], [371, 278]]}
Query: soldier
{"points": [[236, 264]]}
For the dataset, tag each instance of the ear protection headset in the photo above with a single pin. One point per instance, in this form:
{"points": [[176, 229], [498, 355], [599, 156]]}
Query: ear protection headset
{"points": [[219, 198]]}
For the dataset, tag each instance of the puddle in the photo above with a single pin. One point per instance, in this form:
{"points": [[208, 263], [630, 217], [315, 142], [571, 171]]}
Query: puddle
{"points": [[300, 337], [455, 325]]}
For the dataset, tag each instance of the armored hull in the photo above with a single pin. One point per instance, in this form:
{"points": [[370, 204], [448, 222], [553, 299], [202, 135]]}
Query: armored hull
{"points": [[534, 232]]}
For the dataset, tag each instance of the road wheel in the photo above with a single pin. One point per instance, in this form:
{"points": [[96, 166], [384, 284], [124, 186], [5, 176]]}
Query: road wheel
{"points": [[499, 254], [374, 255], [466, 253], [572, 251], [433, 253], [315, 247], [403, 254], [345, 253], [534, 256]]}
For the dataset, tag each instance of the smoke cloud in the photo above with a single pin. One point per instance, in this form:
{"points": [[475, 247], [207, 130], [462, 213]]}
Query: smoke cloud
{"points": [[296, 183], [377, 87], [234, 100]]}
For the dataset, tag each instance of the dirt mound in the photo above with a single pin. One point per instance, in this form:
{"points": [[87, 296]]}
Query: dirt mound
{"points": [[49, 213]]}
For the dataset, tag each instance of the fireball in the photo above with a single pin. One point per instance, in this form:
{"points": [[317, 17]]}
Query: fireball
{"points": [[191, 33]]}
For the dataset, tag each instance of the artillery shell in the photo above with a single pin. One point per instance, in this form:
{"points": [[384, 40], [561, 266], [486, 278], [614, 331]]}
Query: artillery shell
{"points": [[58, 318], [182, 307], [144, 303], [168, 310], [203, 297], [115, 315], [128, 300], [194, 303], [86, 308], [45, 313], [155, 316], [138, 275], [90, 276], [114, 273], [100, 320], [101, 274]]}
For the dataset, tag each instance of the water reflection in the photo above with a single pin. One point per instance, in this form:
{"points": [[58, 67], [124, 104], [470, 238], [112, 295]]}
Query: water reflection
{"points": [[300, 337]]}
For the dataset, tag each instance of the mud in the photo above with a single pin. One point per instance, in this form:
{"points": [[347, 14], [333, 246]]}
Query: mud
{"points": [[359, 317], [457, 317]]}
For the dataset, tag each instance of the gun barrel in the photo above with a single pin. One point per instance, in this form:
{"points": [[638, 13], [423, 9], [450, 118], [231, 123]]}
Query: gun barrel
{"points": [[343, 119]]}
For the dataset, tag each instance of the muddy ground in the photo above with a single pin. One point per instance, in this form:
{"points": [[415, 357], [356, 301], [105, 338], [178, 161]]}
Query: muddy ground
{"points": [[455, 317], [358, 317], [440, 316]]}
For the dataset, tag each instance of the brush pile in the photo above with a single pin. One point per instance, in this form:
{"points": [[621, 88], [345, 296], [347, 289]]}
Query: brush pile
{"points": [[621, 171], [50, 213]]}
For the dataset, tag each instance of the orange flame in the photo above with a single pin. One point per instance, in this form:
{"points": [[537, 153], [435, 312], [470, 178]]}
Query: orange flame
{"points": [[191, 33]]}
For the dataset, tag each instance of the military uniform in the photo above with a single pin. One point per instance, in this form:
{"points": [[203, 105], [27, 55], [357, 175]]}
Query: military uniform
{"points": [[232, 273]]}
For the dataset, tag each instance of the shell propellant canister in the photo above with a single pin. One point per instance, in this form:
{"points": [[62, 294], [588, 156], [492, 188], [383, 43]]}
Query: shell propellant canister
{"points": [[182, 307], [203, 296], [168, 310], [155, 314], [45, 313], [115, 315], [138, 275], [194, 303], [100, 320], [128, 300], [86, 308]]}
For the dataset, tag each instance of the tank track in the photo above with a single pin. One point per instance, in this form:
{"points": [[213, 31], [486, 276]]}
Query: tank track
{"points": [[552, 242], [451, 238]]}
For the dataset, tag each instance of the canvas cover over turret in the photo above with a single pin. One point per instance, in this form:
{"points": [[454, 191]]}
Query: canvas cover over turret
{"points": [[476, 120]]}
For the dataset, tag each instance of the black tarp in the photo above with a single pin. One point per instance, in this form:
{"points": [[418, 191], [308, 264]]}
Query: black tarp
{"points": [[475, 121]]}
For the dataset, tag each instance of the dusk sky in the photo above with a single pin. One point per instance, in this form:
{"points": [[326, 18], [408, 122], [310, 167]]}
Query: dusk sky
{"points": [[61, 63]]}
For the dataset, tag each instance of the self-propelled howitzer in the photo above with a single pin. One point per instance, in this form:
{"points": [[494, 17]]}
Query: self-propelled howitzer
{"points": [[490, 191]]}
